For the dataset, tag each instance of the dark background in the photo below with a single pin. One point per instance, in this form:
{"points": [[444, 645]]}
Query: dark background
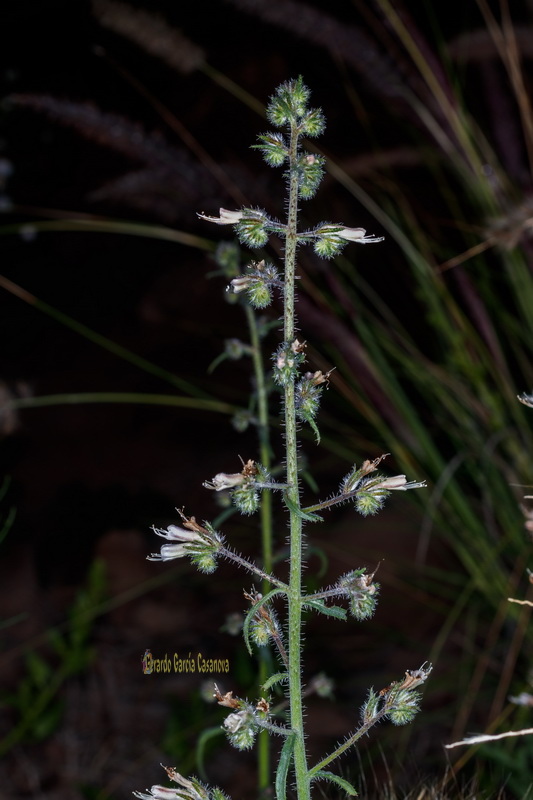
{"points": [[94, 125]]}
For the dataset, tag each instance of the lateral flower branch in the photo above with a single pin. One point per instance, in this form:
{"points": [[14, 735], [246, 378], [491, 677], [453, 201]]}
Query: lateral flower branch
{"points": [[275, 616]]}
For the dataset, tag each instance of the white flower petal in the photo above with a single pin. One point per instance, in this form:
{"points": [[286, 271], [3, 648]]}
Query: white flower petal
{"points": [[399, 483], [226, 217], [224, 481], [176, 534], [357, 235], [234, 721], [169, 552]]}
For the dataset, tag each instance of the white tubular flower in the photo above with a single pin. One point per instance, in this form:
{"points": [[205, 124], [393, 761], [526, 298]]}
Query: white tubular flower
{"points": [[234, 721], [181, 537], [241, 728], [399, 482], [224, 481], [526, 399], [523, 699], [159, 793], [240, 284], [226, 217], [168, 552], [190, 789], [187, 791], [177, 534], [358, 235]]}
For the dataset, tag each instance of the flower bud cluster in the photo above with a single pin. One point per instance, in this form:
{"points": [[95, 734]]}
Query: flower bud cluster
{"points": [[244, 485], [242, 728], [257, 282], [371, 491], [288, 106], [310, 169], [274, 148], [242, 419], [189, 789], [287, 359], [323, 685], [252, 228], [228, 257], [243, 724], [352, 480], [235, 349], [330, 239], [361, 591], [251, 225], [246, 498], [370, 496], [371, 707], [307, 396], [406, 705], [398, 702], [264, 625], [194, 540]]}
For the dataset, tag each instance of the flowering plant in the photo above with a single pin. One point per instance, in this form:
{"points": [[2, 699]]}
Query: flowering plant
{"points": [[363, 486]]}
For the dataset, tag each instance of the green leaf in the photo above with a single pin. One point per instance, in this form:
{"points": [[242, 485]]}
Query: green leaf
{"points": [[313, 425], [9, 621], [201, 743], [329, 611], [277, 678], [47, 722], [38, 669], [310, 481], [283, 767], [299, 512], [250, 615], [344, 784], [313, 550], [58, 642], [8, 522]]}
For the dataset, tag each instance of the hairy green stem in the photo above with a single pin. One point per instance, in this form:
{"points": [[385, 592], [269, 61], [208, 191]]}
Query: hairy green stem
{"points": [[263, 742], [343, 497], [351, 740], [291, 453], [277, 729], [269, 580], [264, 439]]}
